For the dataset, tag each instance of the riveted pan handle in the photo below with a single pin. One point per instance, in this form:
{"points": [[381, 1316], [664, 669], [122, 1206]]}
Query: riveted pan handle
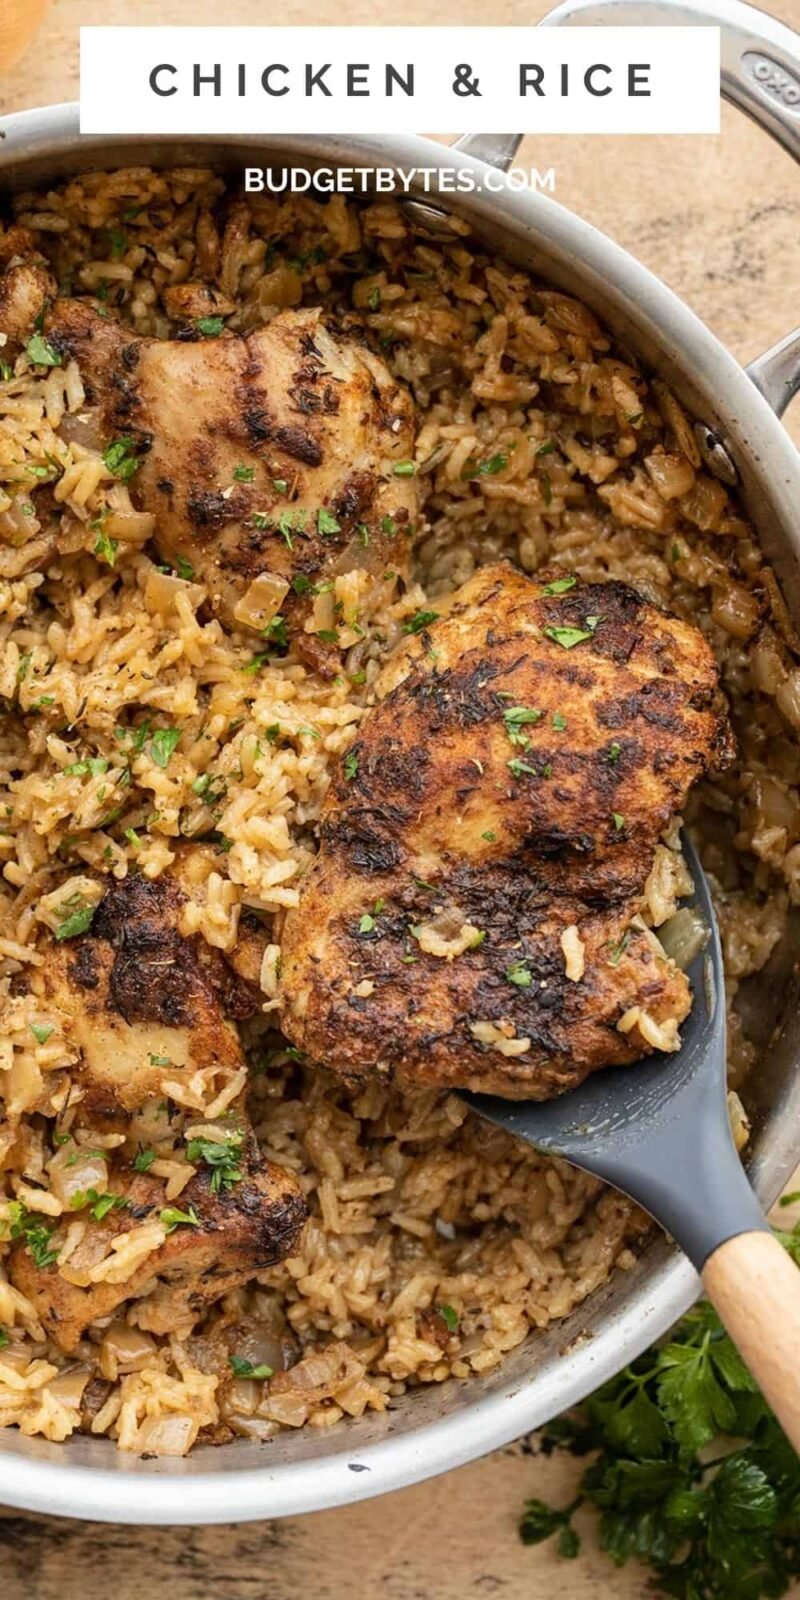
{"points": [[760, 73]]}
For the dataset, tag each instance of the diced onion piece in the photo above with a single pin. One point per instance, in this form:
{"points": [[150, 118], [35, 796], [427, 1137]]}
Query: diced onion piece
{"points": [[683, 937], [73, 1173], [162, 588], [166, 1436], [499, 1037], [574, 952], [671, 473], [261, 600]]}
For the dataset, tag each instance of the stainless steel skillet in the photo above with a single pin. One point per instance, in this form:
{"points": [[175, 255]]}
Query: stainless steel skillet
{"points": [[434, 1429]]}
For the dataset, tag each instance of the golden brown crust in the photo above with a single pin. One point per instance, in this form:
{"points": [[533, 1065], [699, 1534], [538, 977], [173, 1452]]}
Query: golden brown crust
{"points": [[240, 1231], [452, 816], [217, 423], [145, 1008]]}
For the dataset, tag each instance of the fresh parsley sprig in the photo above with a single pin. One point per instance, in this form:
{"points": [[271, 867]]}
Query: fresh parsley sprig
{"points": [[690, 1472]]}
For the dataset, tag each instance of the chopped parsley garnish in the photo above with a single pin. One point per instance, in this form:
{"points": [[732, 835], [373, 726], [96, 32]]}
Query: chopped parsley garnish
{"points": [[118, 243], [280, 486], [617, 951], [78, 917], [245, 1369], [275, 631], [106, 548], [350, 764], [260, 520], [420, 620], [489, 836], [184, 568], [96, 765], [173, 1218], [99, 1204], [449, 1317], [614, 752], [158, 1061], [618, 821], [568, 637], [328, 635], [374, 299], [559, 722], [120, 457], [404, 469], [41, 1031], [518, 767], [689, 1472], [388, 526], [41, 352], [210, 327], [366, 924], [143, 1160], [163, 744], [244, 474], [303, 585], [36, 1233], [485, 469], [518, 717], [327, 522], [560, 585], [222, 1156], [4, 1338], [519, 973], [545, 449]]}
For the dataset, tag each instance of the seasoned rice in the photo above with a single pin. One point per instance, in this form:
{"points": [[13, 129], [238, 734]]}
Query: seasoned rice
{"points": [[435, 1244]]}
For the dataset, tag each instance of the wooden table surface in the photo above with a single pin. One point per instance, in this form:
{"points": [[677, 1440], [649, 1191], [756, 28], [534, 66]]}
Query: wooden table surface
{"points": [[719, 220]]}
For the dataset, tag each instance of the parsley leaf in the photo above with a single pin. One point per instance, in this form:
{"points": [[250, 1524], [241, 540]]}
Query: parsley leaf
{"points": [[449, 1317], [520, 974], [689, 1472], [222, 1156], [568, 637], [517, 717], [242, 1368], [327, 522], [210, 327], [173, 1218], [77, 918], [41, 352], [120, 457], [163, 745], [420, 620]]}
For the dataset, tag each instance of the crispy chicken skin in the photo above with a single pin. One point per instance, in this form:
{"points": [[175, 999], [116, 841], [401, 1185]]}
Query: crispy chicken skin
{"points": [[217, 423], [147, 1007], [463, 841], [138, 994], [240, 1231]]}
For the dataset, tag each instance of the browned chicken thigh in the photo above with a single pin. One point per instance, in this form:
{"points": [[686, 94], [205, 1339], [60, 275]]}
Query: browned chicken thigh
{"points": [[272, 462], [471, 919], [145, 1009]]}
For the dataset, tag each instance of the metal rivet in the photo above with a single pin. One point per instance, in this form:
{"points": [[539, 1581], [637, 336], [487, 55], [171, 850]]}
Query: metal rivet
{"points": [[715, 455]]}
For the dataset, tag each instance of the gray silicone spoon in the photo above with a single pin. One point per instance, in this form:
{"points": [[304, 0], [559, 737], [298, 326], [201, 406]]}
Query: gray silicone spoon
{"points": [[659, 1131]]}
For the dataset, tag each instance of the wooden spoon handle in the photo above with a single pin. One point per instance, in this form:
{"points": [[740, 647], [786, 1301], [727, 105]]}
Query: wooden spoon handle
{"points": [[755, 1287]]}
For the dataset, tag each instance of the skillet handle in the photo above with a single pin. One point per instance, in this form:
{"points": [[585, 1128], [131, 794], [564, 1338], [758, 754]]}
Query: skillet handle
{"points": [[760, 71], [755, 1287]]}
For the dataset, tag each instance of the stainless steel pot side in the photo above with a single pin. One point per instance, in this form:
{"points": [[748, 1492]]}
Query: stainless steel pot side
{"points": [[442, 1426]]}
